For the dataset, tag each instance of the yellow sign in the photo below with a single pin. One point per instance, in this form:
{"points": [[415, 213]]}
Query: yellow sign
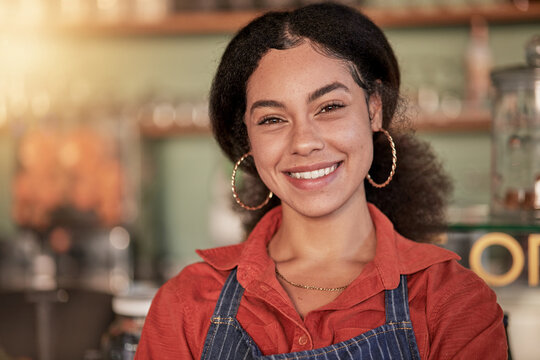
{"points": [[518, 258]]}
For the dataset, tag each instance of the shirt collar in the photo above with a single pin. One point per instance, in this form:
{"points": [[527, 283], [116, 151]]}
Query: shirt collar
{"points": [[395, 255], [256, 270]]}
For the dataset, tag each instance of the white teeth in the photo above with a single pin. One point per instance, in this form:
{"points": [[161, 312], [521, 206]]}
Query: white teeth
{"points": [[315, 174]]}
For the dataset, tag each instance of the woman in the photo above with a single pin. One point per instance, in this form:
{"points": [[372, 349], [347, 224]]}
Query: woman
{"points": [[303, 101]]}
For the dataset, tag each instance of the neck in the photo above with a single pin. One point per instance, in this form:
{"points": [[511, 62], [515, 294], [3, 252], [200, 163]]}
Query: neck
{"points": [[341, 236]]}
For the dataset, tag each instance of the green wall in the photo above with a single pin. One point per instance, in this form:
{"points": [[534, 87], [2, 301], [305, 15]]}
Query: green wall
{"points": [[182, 183], [467, 158]]}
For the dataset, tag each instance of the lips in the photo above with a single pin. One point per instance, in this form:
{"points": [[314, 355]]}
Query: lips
{"points": [[313, 174]]}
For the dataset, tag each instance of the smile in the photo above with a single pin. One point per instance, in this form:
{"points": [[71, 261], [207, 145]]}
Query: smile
{"points": [[315, 174]]}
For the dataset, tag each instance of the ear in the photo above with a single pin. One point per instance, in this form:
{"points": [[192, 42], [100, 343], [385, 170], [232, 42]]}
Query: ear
{"points": [[375, 112]]}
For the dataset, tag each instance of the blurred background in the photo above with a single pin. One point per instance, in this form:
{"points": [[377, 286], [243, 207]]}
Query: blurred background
{"points": [[110, 179]]}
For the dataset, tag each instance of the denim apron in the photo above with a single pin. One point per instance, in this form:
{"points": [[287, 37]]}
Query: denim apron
{"points": [[226, 340]]}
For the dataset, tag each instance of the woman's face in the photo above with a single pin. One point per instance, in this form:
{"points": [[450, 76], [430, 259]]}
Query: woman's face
{"points": [[309, 130]]}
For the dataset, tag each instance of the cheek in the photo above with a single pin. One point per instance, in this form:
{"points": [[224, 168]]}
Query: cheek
{"points": [[265, 166], [355, 140], [266, 155]]}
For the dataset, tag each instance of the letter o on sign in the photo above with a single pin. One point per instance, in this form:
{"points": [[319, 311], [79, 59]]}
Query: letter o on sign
{"points": [[508, 242]]}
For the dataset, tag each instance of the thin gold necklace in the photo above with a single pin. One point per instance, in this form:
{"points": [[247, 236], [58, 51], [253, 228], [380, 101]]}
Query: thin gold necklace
{"points": [[309, 287]]}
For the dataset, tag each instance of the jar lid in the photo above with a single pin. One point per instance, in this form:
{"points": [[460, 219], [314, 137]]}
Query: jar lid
{"points": [[135, 303], [521, 77]]}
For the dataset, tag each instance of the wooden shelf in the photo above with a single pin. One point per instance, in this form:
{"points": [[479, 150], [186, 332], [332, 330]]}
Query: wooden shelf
{"points": [[230, 21], [453, 15], [154, 132], [468, 121], [186, 23]]}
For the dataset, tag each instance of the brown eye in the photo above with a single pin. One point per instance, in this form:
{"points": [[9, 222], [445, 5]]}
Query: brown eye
{"points": [[331, 107], [270, 120]]}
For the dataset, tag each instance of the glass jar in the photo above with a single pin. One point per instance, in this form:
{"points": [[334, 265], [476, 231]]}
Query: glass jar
{"points": [[121, 339], [515, 190]]}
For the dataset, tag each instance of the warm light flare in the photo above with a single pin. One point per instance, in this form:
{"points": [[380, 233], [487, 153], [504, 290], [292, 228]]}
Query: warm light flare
{"points": [[21, 55], [74, 11], [40, 104], [105, 5], [22, 13], [16, 98], [31, 12], [24, 61]]}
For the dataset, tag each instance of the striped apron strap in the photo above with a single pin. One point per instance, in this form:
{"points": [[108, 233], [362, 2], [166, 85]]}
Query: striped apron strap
{"points": [[397, 302]]}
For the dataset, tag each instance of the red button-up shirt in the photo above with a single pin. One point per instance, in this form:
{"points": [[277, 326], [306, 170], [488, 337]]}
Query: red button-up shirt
{"points": [[454, 313]]}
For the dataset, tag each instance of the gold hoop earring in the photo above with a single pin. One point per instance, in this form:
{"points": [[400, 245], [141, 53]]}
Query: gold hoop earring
{"points": [[233, 187], [394, 163]]}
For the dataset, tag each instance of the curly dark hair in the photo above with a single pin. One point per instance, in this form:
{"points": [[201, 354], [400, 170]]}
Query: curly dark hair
{"points": [[416, 199]]}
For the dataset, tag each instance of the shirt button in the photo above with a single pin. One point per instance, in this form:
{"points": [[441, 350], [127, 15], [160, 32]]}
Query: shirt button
{"points": [[302, 340], [264, 287]]}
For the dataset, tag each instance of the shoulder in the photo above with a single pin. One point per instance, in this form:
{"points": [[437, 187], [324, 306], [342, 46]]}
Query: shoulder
{"points": [[201, 281], [447, 281], [415, 256], [462, 314], [195, 282], [178, 319], [196, 287]]}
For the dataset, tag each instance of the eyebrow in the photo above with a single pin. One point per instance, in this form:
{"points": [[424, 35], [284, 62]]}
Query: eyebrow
{"points": [[311, 97], [266, 103], [326, 89]]}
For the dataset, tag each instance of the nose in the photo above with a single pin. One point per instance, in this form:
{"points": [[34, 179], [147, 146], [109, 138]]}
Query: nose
{"points": [[306, 137]]}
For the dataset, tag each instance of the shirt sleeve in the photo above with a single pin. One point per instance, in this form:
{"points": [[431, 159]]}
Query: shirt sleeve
{"points": [[465, 321], [179, 317], [163, 336]]}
